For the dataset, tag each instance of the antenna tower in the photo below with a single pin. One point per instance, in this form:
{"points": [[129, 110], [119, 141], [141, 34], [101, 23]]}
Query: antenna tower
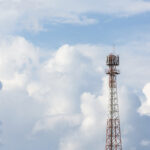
{"points": [[113, 133]]}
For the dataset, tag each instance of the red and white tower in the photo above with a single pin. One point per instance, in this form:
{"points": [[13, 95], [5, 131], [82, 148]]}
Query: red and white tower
{"points": [[113, 133]]}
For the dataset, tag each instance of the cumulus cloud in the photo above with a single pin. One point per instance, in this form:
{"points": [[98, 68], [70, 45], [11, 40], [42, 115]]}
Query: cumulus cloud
{"points": [[61, 101], [89, 134], [53, 88], [145, 106], [16, 63], [67, 83], [60, 82], [72, 109]]}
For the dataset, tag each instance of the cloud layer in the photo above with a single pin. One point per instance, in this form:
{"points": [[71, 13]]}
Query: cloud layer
{"points": [[60, 102], [33, 15]]}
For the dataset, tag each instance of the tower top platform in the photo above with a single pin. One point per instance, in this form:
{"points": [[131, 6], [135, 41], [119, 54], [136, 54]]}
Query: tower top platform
{"points": [[112, 60]]}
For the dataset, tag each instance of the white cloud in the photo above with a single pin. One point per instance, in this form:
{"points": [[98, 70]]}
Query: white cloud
{"points": [[54, 122], [70, 83], [92, 125], [32, 15], [63, 83], [145, 104], [17, 58], [145, 143], [66, 95]]}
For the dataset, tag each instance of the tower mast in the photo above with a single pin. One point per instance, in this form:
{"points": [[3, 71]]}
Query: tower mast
{"points": [[113, 133]]}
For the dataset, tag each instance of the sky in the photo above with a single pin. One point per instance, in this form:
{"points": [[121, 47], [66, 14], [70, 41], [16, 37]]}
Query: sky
{"points": [[53, 87]]}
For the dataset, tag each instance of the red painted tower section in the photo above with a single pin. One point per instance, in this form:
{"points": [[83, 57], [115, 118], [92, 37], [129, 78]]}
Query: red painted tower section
{"points": [[113, 133]]}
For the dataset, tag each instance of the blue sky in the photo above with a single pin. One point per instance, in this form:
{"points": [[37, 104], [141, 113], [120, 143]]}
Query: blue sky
{"points": [[54, 89], [107, 30]]}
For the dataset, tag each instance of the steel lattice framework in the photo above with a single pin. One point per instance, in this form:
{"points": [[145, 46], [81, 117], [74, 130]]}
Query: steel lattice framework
{"points": [[113, 133]]}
